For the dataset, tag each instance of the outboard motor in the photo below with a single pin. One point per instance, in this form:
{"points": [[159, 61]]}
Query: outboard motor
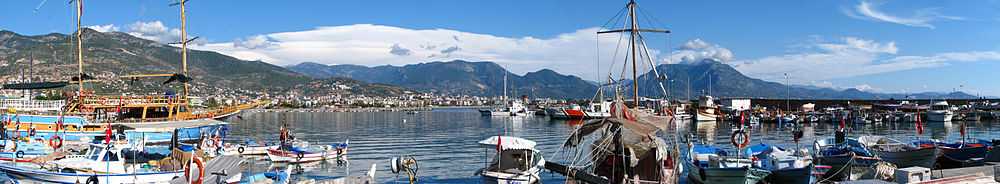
{"points": [[840, 136]]}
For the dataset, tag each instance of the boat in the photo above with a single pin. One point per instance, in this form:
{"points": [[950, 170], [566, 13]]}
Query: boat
{"points": [[598, 110], [306, 153], [248, 147], [277, 176], [707, 110], [940, 112], [628, 139], [843, 156], [571, 111], [960, 153], [786, 166], [711, 165], [516, 161], [902, 154]]}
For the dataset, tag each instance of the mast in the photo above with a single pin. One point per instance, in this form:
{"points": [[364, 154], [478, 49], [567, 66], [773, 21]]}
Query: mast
{"points": [[635, 33], [79, 49], [505, 87], [184, 42]]}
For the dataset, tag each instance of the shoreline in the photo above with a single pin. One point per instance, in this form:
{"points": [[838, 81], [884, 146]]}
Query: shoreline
{"points": [[364, 109]]}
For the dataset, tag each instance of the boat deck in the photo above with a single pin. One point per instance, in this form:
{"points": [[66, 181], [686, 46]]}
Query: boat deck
{"points": [[223, 164]]}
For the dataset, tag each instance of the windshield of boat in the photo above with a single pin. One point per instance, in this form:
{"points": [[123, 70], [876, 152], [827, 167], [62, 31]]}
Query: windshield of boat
{"points": [[513, 161], [95, 152]]}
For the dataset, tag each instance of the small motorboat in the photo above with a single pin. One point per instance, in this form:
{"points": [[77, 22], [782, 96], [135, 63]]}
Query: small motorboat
{"points": [[786, 166], [902, 154], [516, 161], [277, 176], [711, 164], [841, 155], [302, 152], [248, 147], [101, 164], [959, 154]]}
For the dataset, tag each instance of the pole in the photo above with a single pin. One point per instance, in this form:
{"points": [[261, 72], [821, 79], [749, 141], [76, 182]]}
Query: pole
{"points": [[79, 50], [635, 32], [184, 47]]}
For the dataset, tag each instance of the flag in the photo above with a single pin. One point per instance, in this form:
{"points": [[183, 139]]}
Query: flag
{"points": [[741, 119], [498, 144], [920, 126]]}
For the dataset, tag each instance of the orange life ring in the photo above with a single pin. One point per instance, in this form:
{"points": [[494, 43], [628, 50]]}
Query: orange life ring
{"points": [[742, 134], [201, 170], [55, 141]]}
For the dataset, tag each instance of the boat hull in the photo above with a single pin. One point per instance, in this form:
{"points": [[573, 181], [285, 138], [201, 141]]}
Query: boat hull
{"points": [[725, 175], [923, 157], [26, 175], [702, 116], [505, 178], [276, 155], [792, 176], [939, 116]]}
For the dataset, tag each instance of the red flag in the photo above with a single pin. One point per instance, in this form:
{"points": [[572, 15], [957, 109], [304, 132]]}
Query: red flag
{"points": [[920, 126], [843, 122], [498, 144], [741, 119]]}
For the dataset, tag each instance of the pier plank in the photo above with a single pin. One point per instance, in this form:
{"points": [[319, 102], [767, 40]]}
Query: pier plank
{"points": [[229, 164]]}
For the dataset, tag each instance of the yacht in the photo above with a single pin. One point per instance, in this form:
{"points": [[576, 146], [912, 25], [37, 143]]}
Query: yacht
{"points": [[940, 112], [707, 110]]}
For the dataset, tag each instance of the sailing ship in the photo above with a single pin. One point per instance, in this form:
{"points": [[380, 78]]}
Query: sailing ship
{"points": [[626, 146], [84, 114]]}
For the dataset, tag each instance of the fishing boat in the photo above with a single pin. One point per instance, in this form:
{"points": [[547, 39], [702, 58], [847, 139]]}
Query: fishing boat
{"points": [[940, 112], [710, 165], [960, 153], [786, 166], [248, 147], [571, 111], [842, 155], [303, 152], [516, 161], [901, 154], [598, 110], [707, 110]]}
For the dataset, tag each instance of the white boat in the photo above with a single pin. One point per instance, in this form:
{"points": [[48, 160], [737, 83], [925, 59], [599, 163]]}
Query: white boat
{"points": [[249, 147], [707, 110], [598, 110], [517, 161], [99, 165], [680, 112], [940, 112], [306, 153]]}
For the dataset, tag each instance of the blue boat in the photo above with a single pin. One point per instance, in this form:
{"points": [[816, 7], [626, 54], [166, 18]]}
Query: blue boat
{"points": [[711, 164], [786, 166], [841, 155], [960, 153]]}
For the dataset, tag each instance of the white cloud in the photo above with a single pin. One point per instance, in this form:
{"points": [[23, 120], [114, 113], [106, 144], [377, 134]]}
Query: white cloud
{"points": [[371, 45], [866, 88], [104, 28], [849, 57], [698, 50], [920, 18], [154, 30]]}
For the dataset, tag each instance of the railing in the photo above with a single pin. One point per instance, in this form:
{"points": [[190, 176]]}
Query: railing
{"points": [[112, 101], [32, 105]]}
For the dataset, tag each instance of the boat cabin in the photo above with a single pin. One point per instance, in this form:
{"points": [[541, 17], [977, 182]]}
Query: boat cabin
{"points": [[516, 155]]}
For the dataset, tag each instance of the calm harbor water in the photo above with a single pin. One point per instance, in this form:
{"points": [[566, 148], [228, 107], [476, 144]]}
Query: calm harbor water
{"points": [[444, 140]]}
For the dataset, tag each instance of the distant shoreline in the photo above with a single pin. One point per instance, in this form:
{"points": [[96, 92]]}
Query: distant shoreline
{"points": [[364, 109]]}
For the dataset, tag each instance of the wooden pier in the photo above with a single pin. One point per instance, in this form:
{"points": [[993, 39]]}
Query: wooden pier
{"points": [[229, 164], [968, 175]]}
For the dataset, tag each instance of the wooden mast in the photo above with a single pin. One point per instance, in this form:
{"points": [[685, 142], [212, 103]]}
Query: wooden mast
{"points": [[79, 49], [184, 42], [634, 31]]}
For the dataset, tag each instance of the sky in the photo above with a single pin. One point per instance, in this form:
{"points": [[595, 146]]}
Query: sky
{"points": [[889, 46]]}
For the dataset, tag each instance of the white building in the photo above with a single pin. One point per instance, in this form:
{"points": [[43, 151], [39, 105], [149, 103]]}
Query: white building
{"points": [[736, 104]]}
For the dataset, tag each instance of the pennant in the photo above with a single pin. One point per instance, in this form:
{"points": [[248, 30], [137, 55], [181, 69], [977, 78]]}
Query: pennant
{"points": [[499, 138]]}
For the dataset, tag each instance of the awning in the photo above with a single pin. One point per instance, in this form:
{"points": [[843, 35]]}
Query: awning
{"points": [[509, 143], [35, 85]]}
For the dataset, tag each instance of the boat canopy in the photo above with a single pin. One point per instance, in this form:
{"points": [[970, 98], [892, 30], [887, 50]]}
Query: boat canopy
{"points": [[35, 85], [509, 143]]}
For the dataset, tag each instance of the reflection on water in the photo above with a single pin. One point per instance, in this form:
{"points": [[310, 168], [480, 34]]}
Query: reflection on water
{"points": [[444, 141]]}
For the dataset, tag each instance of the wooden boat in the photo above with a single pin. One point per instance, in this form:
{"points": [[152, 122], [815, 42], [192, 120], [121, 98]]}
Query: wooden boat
{"points": [[712, 165], [842, 157], [516, 161], [249, 147], [101, 164], [707, 110], [902, 154], [785, 166], [306, 153], [959, 154]]}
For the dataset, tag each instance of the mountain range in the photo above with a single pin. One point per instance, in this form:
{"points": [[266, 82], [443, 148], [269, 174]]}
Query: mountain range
{"points": [[459, 77], [683, 81], [109, 55]]}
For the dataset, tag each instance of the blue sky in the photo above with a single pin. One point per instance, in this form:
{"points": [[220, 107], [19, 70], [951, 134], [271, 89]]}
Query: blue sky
{"points": [[883, 46]]}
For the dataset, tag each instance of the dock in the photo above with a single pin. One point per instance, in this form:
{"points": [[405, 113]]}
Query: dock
{"points": [[229, 164]]}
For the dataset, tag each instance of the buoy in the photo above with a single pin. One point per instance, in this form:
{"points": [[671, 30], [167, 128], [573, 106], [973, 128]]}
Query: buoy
{"points": [[201, 170], [743, 141], [56, 142]]}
